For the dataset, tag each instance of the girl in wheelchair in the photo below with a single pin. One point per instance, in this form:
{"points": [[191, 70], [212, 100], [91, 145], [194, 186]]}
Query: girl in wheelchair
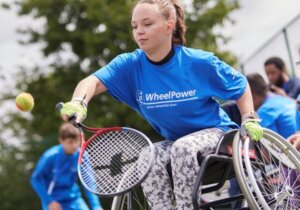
{"points": [[174, 88]]}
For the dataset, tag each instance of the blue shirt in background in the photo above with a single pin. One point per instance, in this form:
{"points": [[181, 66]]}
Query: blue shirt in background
{"points": [[55, 179], [178, 96], [292, 87], [279, 114]]}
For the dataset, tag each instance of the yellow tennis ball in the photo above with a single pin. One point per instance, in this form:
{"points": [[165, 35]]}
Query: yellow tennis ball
{"points": [[24, 102]]}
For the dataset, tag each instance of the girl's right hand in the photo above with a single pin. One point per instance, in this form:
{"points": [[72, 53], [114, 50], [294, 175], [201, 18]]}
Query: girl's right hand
{"points": [[73, 109]]}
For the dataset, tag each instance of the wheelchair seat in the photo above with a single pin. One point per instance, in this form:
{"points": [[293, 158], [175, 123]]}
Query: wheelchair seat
{"points": [[216, 169], [218, 165]]}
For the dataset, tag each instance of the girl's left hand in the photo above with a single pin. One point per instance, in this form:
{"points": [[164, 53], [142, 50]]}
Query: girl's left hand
{"points": [[253, 129]]}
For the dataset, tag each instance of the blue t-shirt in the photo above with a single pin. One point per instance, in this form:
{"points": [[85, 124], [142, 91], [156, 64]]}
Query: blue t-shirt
{"points": [[298, 119], [292, 87], [55, 179], [279, 114], [178, 96]]}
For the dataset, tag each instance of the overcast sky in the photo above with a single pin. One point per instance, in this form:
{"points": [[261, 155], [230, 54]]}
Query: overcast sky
{"points": [[256, 22]]}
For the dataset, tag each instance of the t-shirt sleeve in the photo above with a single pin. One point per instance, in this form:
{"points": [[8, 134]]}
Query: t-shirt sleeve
{"points": [[93, 200], [37, 178], [227, 83], [118, 79]]}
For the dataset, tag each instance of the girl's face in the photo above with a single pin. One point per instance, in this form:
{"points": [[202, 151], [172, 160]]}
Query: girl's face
{"points": [[150, 29]]}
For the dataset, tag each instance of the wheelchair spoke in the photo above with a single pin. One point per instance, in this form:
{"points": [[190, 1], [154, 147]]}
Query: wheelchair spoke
{"points": [[274, 173]]}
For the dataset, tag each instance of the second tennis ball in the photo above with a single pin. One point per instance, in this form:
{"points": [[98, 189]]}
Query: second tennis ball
{"points": [[25, 102]]}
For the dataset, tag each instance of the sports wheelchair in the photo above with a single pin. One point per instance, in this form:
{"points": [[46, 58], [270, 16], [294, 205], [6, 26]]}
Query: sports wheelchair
{"points": [[268, 174]]}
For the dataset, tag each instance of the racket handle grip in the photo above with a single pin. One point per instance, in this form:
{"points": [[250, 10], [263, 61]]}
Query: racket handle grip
{"points": [[59, 106]]}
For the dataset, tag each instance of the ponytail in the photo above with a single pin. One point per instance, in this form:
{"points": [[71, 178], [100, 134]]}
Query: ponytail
{"points": [[179, 32]]}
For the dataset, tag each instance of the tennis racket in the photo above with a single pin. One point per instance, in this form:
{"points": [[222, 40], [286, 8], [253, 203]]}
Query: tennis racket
{"points": [[113, 160]]}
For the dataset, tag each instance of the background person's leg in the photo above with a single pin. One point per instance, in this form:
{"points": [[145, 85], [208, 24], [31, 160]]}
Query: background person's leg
{"points": [[185, 164], [233, 190], [157, 185]]}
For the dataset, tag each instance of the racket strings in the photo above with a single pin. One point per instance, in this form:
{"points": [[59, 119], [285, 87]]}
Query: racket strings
{"points": [[115, 161]]}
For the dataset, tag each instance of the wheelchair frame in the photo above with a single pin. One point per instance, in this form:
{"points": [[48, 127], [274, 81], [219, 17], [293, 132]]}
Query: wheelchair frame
{"points": [[220, 166]]}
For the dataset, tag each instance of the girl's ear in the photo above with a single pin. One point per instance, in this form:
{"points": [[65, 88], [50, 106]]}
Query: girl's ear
{"points": [[170, 26]]}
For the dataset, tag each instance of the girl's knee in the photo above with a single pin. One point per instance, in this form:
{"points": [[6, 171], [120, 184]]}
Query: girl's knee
{"points": [[181, 147]]}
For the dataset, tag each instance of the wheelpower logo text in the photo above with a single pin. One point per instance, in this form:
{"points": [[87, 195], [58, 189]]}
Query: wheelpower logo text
{"points": [[168, 97]]}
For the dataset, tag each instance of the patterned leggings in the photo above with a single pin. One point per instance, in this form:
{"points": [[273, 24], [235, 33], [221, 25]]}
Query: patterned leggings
{"points": [[183, 156]]}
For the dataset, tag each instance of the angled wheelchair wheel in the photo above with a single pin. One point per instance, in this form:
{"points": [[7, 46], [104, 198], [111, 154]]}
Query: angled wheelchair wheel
{"points": [[268, 172], [133, 200]]}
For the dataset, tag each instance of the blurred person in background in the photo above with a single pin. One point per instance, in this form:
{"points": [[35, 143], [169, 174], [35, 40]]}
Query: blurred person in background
{"points": [[295, 139], [55, 176], [280, 82], [277, 113]]}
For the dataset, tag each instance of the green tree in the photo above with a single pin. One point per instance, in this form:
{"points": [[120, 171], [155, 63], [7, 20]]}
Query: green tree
{"points": [[202, 20], [93, 32]]}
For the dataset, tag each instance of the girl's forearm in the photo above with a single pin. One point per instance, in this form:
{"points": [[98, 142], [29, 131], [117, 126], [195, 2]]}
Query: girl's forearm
{"points": [[87, 88]]}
